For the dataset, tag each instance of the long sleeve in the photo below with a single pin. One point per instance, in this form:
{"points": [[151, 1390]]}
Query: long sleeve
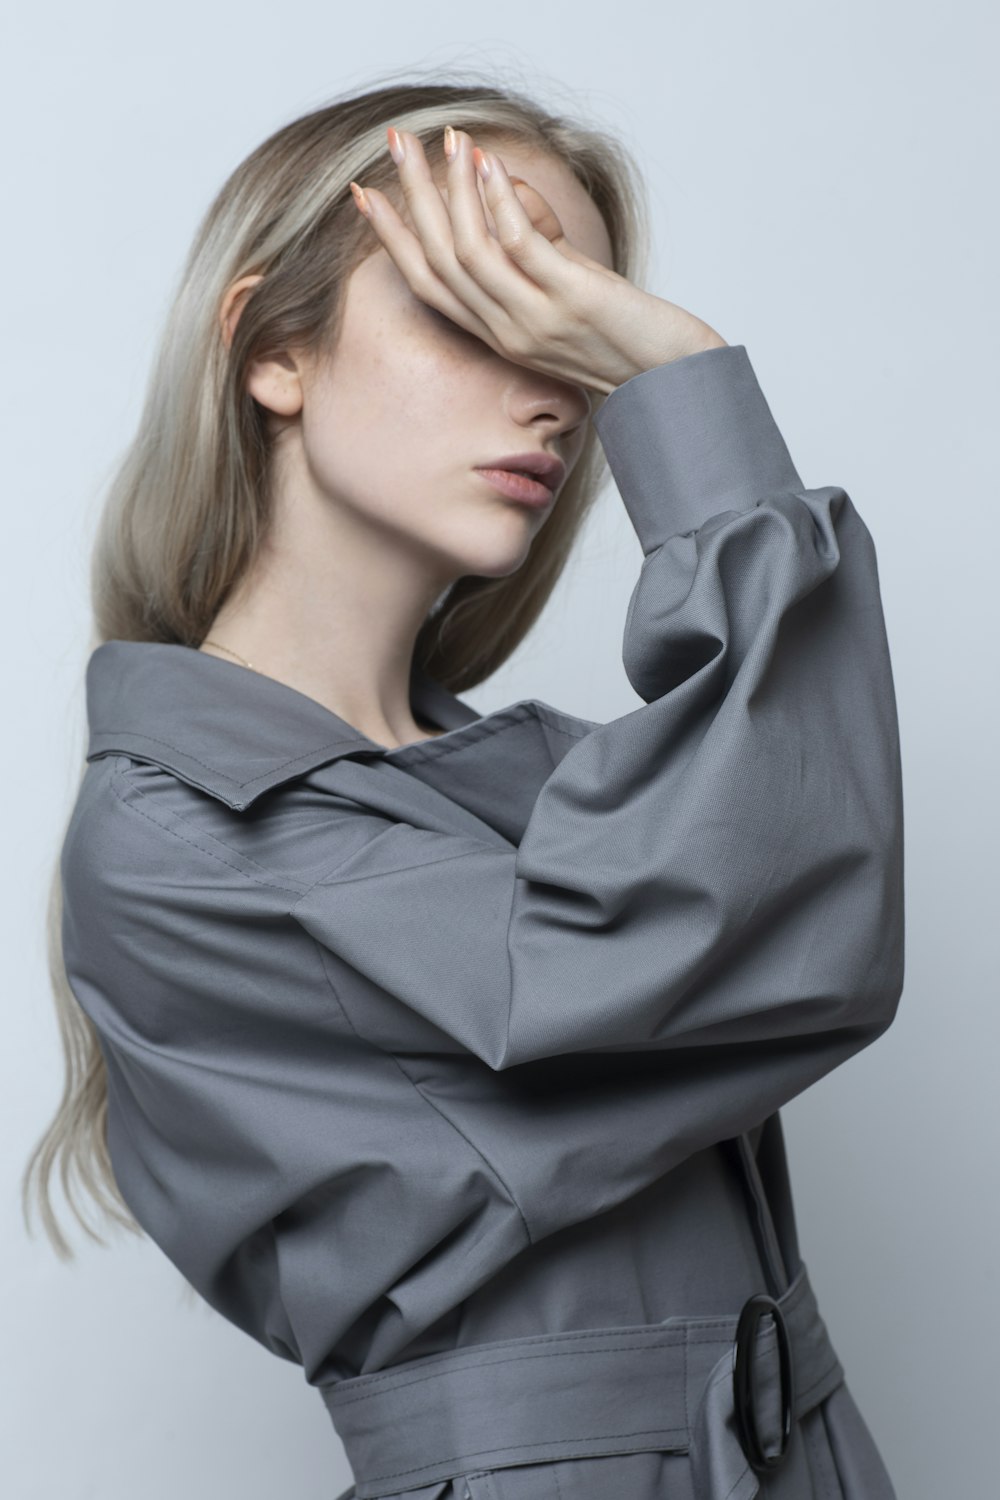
{"points": [[363, 1050], [721, 867]]}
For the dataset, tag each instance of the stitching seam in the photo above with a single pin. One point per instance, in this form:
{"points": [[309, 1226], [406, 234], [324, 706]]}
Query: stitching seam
{"points": [[178, 750], [422, 864], [662, 1433], [119, 774], [332, 747], [670, 1337], [433, 750], [324, 964]]}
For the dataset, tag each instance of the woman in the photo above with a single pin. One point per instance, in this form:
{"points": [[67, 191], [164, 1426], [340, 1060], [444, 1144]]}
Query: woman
{"points": [[441, 1051]]}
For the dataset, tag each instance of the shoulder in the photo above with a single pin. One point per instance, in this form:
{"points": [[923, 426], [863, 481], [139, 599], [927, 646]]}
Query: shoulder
{"points": [[135, 825], [181, 947]]}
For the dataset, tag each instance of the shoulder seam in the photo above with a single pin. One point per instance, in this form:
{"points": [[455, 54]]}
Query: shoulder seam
{"points": [[324, 963], [266, 878], [420, 864]]}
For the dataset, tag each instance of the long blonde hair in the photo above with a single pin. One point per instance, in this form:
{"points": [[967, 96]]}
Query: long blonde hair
{"points": [[188, 505]]}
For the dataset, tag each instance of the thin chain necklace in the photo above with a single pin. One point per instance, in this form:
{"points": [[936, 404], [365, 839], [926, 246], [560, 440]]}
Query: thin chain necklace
{"points": [[239, 658]]}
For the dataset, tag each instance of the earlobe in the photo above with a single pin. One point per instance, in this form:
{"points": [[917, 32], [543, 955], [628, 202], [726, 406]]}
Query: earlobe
{"points": [[276, 384]]}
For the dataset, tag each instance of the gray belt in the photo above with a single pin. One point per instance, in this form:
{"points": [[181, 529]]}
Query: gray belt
{"points": [[723, 1389]]}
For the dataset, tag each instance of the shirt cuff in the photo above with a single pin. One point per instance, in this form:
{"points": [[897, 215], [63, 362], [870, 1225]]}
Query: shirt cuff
{"points": [[691, 438]]}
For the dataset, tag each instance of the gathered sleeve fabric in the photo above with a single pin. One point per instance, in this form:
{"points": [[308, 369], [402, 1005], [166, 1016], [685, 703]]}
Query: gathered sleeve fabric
{"points": [[357, 1066], [254, 1137], [717, 873]]}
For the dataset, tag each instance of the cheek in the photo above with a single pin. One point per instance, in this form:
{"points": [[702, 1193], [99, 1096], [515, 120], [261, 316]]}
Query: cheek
{"points": [[406, 375], [404, 408], [389, 439]]}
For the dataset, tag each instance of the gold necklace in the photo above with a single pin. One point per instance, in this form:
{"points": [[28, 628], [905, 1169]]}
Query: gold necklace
{"points": [[221, 647]]}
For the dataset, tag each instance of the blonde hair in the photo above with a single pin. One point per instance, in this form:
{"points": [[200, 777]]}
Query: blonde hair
{"points": [[188, 505]]}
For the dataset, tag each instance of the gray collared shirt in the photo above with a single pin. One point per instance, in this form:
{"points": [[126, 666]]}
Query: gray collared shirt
{"points": [[417, 1047]]}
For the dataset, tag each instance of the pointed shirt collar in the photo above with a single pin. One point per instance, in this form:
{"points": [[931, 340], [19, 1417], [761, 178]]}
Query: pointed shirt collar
{"points": [[226, 729]]}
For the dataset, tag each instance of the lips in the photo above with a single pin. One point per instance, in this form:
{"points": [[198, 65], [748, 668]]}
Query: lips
{"points": [[544, 467], [524, 488]]}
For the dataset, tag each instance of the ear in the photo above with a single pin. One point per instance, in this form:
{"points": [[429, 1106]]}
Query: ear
{"points": [[274, 382], [232, 305]]}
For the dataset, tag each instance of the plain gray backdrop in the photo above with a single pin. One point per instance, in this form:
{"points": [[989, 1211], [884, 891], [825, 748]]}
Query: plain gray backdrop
{"points": [[823, 190]]}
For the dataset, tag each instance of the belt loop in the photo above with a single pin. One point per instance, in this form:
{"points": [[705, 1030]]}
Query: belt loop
{"points": [[744, 1161]]}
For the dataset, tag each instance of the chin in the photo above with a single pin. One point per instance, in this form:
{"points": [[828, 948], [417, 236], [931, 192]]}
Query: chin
{"points": [[503, 557], [495, 565]]}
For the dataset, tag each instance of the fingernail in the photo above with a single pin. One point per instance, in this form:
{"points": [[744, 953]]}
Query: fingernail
{"points": [[449, 141], [361, 199], [482, 164], [396, 145]]}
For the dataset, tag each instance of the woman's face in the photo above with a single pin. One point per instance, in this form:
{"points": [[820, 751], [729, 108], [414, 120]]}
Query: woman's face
{"points": [[394, 426]]}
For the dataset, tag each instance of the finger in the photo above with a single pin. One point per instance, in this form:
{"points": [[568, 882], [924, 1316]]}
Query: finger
{"points": [[544, 218], [407, 252], [477, 250], [433, 223], [525, 237], [539, 210]]}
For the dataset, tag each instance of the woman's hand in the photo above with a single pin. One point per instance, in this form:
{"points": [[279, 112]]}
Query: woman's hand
{"points": [[520, 286]]}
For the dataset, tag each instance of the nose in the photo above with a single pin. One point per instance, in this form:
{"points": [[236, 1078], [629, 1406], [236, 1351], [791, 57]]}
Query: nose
{"points": [[537, 399]]}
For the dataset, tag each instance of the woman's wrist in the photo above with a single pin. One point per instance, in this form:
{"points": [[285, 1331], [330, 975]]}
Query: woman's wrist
{"points": [[669, 333]]}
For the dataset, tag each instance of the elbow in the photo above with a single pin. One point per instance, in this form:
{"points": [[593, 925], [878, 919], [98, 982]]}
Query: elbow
{"points": [[880, 990], [882, 1004], [892, 991], [882, 955], [870, 948]]}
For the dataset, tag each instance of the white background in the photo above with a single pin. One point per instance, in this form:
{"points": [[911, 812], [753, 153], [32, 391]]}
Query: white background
{"points": [[822, 181]]}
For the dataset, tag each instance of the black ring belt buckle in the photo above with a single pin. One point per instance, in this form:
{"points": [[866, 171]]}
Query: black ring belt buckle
{"points": [[754, 1309]]}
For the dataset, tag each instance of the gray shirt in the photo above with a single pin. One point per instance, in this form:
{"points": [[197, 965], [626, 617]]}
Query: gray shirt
{"points": [[415, 1048]]}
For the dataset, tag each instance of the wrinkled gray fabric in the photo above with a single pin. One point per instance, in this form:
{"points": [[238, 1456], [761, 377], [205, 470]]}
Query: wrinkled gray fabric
{"points": [[419, 1048], [578, 1394]]}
